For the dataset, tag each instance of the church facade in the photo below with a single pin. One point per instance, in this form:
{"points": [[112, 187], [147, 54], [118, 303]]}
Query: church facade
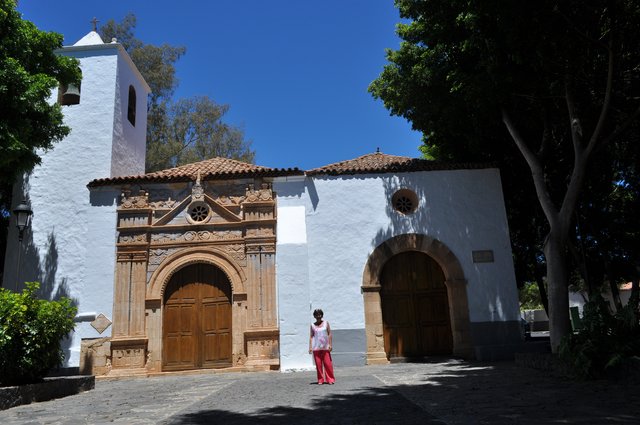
{"points": [[219, 264]]}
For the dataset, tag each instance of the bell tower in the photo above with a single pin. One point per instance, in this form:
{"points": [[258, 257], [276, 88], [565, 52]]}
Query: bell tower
{"points": [[69, 247]]}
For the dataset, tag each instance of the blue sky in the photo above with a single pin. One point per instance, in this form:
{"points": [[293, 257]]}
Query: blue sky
{"points": [[295, 73]]}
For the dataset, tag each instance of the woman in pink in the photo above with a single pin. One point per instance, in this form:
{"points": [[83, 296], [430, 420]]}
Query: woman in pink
{"points": [[320, 346]]}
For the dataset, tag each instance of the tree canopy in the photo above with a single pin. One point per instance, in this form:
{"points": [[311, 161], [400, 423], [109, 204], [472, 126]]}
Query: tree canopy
{"points": [[29, 70], [178, 131], [550, 87]]}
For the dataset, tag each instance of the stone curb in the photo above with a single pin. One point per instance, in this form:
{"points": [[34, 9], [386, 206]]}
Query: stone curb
{"points": [[49, 389]]}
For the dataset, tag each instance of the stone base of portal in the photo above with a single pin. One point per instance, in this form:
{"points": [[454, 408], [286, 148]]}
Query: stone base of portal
{"points": [[263, 348], [377, 357]]}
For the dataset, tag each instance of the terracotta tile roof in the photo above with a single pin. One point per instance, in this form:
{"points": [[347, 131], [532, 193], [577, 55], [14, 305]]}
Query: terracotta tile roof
{"points": [[221, 168], [382, 163], [224, 168]]}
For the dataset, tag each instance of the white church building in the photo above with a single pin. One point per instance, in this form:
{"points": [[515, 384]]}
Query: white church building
{"points": [[219, 264]]}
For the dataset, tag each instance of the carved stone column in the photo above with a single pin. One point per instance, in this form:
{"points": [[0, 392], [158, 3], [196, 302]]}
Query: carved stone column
{"points": [[129, 340], [374, 325], [262, 335]]}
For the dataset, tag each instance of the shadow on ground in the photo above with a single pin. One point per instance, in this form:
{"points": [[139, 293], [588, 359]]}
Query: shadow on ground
{"points": [[368, 406], [466, 393]]}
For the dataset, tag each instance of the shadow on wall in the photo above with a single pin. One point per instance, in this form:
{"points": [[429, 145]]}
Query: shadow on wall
{"points": [[418, 221], [44, 271], [463, 222]]}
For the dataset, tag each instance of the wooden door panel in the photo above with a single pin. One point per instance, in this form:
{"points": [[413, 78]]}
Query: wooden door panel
{"points": [[397, 311], [415, 306], [197, 319], [223, 318]]}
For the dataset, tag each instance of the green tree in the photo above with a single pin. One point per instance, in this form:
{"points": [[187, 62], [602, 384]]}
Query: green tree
{"points": [[29, 70], [553, 83], [192, 131], [178, 131]]}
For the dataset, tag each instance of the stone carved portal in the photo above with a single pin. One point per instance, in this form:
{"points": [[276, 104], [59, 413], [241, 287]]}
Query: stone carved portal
{"points": [[456, 296], [193, 293]]}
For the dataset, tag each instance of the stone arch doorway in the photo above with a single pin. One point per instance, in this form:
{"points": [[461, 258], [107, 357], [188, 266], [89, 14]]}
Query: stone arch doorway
{"points": [[415, 309], [197, 319], [454, 281]]}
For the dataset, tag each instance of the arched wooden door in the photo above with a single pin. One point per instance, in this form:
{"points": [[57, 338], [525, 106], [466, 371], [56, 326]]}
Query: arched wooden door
{"points": [[415, 307], [197, 319]]}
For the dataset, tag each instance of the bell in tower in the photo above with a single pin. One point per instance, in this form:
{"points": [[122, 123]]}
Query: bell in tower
{"points": [[71, 95]]}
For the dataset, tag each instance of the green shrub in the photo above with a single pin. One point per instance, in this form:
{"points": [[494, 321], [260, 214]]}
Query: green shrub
{"points": [[604, 341], [30, 333], [529, 296]]}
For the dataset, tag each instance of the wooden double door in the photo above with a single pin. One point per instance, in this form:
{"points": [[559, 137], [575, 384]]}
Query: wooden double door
{"points": [[197, 319], [415, 307]]}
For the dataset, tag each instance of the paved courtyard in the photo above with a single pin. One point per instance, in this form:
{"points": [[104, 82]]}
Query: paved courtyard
{"points": [[446, 392]]}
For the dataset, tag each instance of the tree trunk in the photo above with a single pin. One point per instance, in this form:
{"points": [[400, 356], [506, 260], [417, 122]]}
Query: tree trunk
{"points": [[557, 282], [544, 299]]}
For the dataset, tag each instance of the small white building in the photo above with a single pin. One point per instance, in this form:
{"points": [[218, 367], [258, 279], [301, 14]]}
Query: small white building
{"points": [[220, 263]]}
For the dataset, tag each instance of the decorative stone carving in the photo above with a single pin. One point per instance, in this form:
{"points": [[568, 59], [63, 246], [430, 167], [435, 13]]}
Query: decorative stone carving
{"points": [[260, 231], [236, 251], [262, 347], [165, 204], [138, 201], [128, 238], [197, 192], [101, 323], [192, 236], [158, 255], [263, 194], [128, 357], [261, 249], [135, 256], [164, 199]]}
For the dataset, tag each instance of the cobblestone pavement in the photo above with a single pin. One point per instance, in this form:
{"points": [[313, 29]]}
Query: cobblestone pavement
{"points": [[446, 392]]}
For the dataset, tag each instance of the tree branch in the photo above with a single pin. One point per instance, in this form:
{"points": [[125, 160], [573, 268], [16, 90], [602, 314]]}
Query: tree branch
{"points": [[537, 173], [574, 121], [604, 111]]}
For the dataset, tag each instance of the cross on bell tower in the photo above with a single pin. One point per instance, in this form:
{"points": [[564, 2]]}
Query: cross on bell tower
{"points": [[95, 21]]}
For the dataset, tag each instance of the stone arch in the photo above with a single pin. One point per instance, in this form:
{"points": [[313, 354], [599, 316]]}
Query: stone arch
{"points": [[185, 257], [455, 283], [159, 280]]}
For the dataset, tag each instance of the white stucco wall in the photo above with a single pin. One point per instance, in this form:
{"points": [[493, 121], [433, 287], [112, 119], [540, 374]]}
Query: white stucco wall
{"points": [[129, 141], [347, 217], [70, 246]]}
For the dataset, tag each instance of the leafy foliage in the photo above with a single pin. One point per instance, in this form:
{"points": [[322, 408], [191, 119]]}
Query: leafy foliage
{"points": [[29, 69], [30, 333], [193, 130], [178, 131], [604, 340], [529, 295], [542, 89]]}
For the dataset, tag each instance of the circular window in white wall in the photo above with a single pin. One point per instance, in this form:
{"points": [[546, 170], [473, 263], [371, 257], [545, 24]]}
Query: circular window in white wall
{"points": [[198, 212], [405, 201]]}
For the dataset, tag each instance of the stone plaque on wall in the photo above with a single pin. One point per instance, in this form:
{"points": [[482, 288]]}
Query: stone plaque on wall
{"points": [[483, 256]]}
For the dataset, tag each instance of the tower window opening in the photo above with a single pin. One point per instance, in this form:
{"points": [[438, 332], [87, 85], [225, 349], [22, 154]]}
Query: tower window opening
{"points": [[131, 106]]}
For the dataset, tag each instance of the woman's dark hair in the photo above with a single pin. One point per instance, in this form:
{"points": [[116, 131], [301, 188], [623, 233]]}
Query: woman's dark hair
{"points": [[318, 311]]}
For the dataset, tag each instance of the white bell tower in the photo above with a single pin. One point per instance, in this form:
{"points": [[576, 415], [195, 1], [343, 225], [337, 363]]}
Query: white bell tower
{"points": [[69, 247]]}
